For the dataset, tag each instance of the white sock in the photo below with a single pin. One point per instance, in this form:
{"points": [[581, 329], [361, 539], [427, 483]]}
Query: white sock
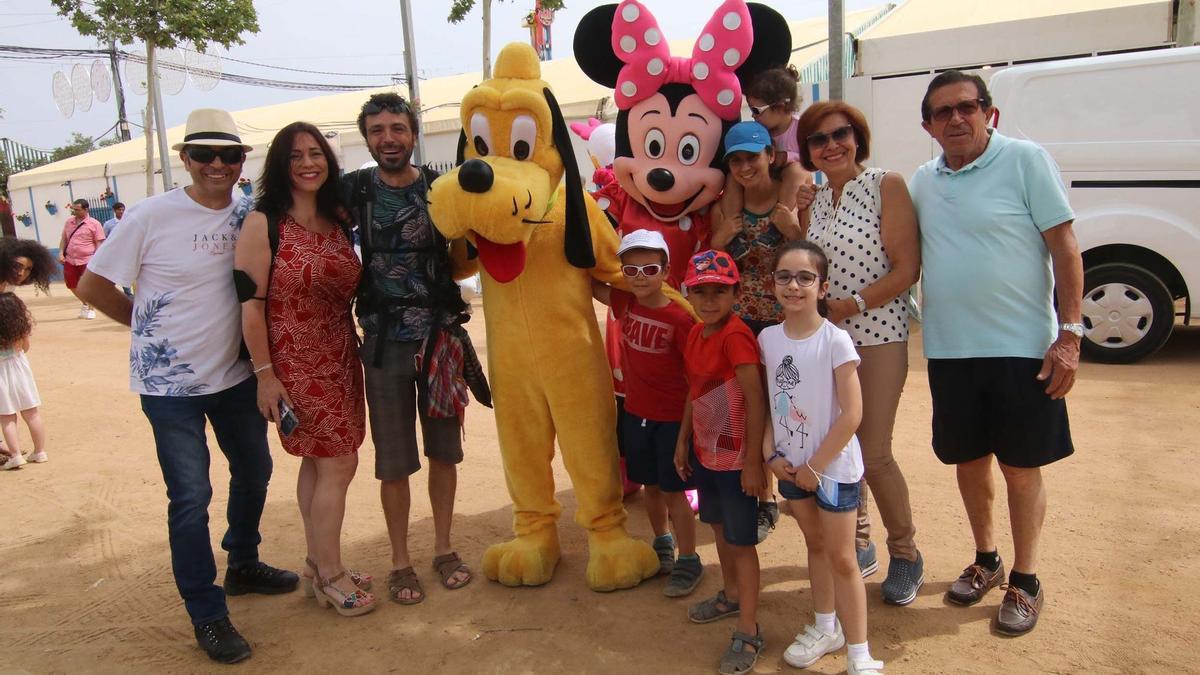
{"points": [[858, 652], [827, 623]]}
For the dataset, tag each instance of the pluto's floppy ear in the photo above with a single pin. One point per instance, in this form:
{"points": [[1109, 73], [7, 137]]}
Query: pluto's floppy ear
{"points": [[462, 148], [593, 46], [772, 42], [578, 236]]}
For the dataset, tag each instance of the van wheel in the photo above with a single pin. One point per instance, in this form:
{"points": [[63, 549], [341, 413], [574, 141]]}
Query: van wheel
{"points": [[1128, 313]]}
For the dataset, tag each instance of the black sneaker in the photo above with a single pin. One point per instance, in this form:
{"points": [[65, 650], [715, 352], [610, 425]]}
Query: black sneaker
{"points": [[259, 578], [768, 515], [222, 642]]}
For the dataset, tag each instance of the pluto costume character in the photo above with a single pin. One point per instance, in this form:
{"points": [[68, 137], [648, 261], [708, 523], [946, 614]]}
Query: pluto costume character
{"points": [[539, 246]]}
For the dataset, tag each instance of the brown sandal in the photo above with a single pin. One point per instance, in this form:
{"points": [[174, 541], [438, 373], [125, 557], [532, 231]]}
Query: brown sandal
{"points": [[449, 564], [399, 580]]}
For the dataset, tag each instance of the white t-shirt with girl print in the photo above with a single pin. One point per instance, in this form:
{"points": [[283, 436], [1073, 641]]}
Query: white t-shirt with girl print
{"points": [[186, 331], [803, 393]]}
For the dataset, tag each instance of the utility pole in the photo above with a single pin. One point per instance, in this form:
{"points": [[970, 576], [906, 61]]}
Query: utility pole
{"points": [[122, 119], [837, 56], [410, 73], [160, 122], [1187, 24], [148, 132]]}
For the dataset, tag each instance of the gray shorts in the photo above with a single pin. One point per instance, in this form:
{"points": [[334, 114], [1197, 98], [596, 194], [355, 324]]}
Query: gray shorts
{"points": [[393, 411]]}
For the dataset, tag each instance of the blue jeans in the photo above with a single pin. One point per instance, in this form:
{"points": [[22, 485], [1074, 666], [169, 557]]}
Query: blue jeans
{"points": [[241, 431]]}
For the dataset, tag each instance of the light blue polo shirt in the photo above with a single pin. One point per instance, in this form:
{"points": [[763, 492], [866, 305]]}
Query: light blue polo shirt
{"points": [[986, 273]]}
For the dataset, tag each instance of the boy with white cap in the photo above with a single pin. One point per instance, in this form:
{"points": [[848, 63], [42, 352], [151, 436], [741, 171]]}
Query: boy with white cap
{"points": [[653, 334]]}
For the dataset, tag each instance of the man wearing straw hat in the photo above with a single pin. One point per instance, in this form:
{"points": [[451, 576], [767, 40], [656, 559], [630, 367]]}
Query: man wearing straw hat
{"points": [[185, 364]]}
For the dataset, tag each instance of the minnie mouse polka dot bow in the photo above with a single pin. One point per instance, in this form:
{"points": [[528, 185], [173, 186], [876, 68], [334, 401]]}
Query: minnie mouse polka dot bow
{"points": [[723, 45]]}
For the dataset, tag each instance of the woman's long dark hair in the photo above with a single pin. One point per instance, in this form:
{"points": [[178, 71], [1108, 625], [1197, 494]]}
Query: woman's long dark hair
{"points": [[15, 320], [44, 264], [818, 256], [275, 185]]}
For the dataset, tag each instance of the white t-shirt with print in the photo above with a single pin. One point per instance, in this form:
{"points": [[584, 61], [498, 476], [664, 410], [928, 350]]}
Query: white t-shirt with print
{"points": [[187, 324], [803, 394]]}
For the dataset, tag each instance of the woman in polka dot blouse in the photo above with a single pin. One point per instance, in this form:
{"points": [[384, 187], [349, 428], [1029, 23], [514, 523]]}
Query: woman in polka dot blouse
{"points": [[864, 220]]}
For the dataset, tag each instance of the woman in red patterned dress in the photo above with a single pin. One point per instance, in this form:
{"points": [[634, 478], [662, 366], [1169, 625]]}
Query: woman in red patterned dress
{"points": [[304, 346]]}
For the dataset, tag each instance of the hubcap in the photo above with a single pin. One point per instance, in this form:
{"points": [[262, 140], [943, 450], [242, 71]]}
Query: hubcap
{"points": [[1116, 315]]}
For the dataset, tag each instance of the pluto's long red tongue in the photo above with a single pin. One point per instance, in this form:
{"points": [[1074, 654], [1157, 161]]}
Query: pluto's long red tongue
{"points": [[503, 261]]}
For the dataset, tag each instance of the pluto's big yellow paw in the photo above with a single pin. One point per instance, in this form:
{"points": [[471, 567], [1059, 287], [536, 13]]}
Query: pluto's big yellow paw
{"points": [[616, 560], [523, 561]]}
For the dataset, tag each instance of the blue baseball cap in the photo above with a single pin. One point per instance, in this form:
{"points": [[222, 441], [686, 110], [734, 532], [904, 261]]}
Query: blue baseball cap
{"points": [[746, 137]]}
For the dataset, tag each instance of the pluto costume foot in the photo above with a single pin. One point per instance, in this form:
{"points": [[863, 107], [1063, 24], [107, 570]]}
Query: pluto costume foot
{"points": [[540, 245]]}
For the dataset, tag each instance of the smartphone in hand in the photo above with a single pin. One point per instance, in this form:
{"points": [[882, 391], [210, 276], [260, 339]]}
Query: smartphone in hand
{"points": [[287, 419]]}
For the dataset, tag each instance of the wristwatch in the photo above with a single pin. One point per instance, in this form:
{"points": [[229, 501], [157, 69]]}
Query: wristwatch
{"points": [[1075, 329], [858, 300]]}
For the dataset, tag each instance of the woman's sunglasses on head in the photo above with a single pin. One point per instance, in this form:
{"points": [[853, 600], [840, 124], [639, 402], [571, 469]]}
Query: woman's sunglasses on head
{"points": [[821, 139], [233, 154]]}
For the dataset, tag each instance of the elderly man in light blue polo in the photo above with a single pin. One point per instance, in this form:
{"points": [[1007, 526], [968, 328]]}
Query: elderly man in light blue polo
{"points": [[996, 241]]}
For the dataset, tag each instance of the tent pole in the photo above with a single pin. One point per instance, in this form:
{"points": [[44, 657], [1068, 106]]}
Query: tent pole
{"points": [[837, 56]]}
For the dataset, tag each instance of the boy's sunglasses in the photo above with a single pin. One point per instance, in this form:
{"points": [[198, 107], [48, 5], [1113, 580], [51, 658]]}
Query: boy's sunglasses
{"points": [[803, 278], [821, 139], [233, 154], [965, 109], [646, 270]]}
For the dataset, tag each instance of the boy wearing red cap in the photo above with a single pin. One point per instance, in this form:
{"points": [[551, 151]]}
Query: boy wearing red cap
{"points": [[723, 423]]}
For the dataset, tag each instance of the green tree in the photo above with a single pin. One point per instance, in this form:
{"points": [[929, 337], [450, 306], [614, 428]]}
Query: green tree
{"points": [[163, 23], [79, 144], [458, 12]]}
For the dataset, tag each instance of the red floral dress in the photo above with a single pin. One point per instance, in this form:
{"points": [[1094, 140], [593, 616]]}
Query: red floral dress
{"points": [[314, 347]]}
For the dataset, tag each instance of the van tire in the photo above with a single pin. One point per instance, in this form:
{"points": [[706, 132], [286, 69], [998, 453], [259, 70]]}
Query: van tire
{"points": [[1128, 313]]}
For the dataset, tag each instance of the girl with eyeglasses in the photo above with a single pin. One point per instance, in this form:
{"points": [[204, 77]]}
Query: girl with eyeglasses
{"points": [[864, 220], [814, 409]]}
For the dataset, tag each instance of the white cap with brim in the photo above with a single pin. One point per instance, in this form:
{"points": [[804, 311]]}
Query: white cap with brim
{"points": [[210, 127], [651, 240]]}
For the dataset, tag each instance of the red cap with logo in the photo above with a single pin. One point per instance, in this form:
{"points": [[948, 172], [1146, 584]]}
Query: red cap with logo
{"points": [[711, 267]]}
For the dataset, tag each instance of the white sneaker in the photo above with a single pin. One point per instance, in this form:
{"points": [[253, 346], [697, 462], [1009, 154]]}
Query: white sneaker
{"points": [[83, 312], [39, 457], [865, 667], [14, 462], [812, 644], [91, 314]]}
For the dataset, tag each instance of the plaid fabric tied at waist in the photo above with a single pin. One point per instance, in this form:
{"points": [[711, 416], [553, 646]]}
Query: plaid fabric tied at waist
{"points": [[451, 370]]}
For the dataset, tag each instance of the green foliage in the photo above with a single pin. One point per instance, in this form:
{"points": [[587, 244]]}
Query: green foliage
{"points": [[165, 23], [79, 144], [460, 8], [111, 140]]}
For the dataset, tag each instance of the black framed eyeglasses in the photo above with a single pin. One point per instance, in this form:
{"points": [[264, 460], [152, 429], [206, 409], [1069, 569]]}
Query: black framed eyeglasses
{"points": [[965, 109], [821, 139], [230, 155], [803, 278], [647, 270]]}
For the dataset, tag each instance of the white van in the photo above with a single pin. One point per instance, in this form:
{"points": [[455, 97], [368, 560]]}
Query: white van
{"points": [[1125, 130]]}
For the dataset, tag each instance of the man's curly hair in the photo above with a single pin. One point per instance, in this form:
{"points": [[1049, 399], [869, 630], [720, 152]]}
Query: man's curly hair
{"points": [[15, 320], [44, 264]]}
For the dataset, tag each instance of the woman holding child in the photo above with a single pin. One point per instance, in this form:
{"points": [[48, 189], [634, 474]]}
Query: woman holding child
{"points": [[298, 328], [864, 220]]}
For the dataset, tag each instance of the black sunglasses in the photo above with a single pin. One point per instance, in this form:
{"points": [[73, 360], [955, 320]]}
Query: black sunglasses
{"points": [[965, 109], [233, 154], [821, 139], [372, 108]]}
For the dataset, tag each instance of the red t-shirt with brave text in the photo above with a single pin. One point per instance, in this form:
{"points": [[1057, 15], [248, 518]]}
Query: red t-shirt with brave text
{"points": [[652, 344], [718, 403]]}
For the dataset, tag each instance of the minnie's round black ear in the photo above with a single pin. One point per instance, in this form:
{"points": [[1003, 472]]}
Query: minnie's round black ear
{"points": [[593, 46], [772, 42]]}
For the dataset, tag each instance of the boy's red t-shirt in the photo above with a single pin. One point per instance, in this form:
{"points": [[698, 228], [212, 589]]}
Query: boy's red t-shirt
{"points": [[718, 403], [652, 344]]}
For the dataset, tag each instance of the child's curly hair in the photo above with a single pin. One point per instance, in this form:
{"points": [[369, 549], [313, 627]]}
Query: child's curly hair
{"points": [[15, 320], [44, 264], [777, 86]]}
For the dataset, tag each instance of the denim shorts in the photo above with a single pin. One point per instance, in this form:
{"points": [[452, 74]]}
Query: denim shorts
{"points": [[723, 503], [848, 496]]}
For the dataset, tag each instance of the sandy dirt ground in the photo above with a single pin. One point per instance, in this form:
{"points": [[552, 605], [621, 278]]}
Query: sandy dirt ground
{"points": [[85, 580]]}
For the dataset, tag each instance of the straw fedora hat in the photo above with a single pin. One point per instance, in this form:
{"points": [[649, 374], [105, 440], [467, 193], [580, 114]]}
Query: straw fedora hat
{"points": [[209, 126]]}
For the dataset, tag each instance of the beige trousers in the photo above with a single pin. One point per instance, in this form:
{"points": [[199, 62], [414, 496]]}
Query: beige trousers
{"points": [[882, 372]]}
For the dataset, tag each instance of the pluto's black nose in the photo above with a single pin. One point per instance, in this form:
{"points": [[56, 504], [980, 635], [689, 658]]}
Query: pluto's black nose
{"points": [[475, 176]]}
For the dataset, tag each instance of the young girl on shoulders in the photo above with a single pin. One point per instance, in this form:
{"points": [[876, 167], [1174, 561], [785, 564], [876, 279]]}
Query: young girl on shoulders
{"points": [[18, 392], [810, 446]]}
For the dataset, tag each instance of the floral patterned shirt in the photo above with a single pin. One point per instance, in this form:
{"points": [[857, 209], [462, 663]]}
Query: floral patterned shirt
{"points": [[754, 251]]}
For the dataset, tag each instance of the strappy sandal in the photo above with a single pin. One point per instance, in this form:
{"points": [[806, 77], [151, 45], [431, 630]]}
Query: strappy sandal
{"points": [[447, 565], [685, 576], [707, 611], [399, 580], [360, 579], [356, 603], [737, 658]]}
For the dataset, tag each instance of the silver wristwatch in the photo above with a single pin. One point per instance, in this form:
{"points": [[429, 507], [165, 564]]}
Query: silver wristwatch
{"points": [[1075, 329], [858, 300]]}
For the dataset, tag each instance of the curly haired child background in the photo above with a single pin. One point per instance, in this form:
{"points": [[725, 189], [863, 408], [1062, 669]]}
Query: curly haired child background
{"points": [[18, 392]]}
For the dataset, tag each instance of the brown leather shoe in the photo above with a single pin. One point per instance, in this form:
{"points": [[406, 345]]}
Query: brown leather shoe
{"points": [[975, 581], [1019, 610]]}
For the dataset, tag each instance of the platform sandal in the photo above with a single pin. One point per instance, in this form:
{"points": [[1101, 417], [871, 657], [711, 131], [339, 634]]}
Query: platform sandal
{"points": [[360, 579], [356, 603]]}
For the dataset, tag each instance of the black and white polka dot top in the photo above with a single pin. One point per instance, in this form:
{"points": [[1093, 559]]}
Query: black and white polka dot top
{"points": [[849, 234]]}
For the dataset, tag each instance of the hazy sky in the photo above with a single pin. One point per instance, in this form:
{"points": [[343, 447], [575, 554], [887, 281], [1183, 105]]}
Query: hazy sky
{"points": [[363, 38]]}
